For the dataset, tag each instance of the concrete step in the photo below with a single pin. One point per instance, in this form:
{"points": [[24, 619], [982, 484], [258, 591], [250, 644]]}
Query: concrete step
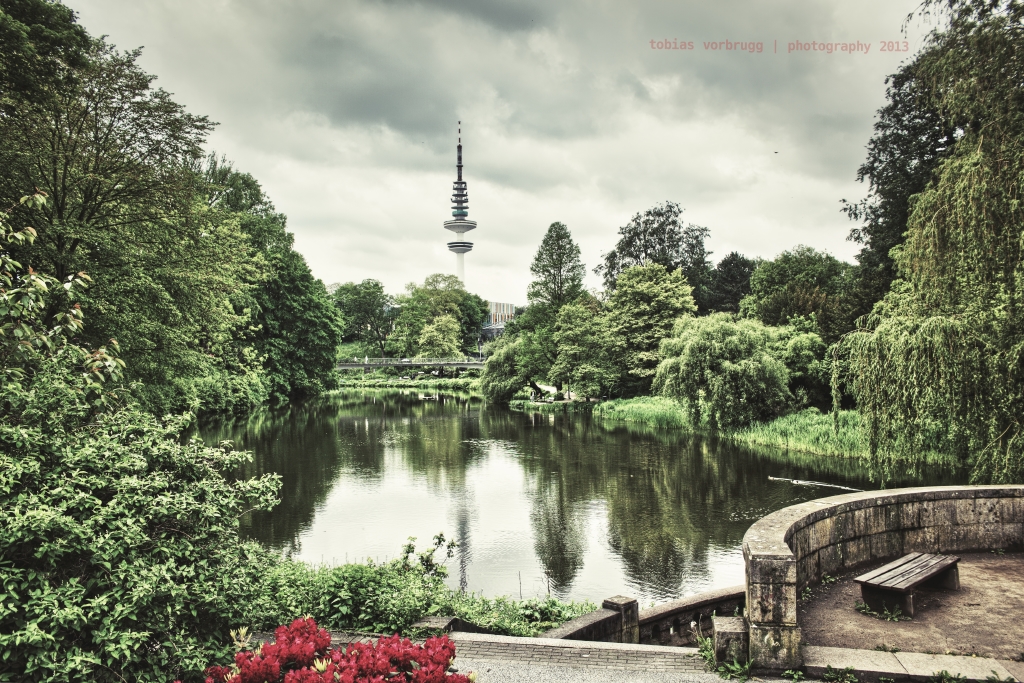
{"points": [[871, 665]]}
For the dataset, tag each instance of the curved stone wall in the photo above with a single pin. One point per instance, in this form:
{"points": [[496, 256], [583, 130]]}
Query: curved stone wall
{"points": [[794, 547]]}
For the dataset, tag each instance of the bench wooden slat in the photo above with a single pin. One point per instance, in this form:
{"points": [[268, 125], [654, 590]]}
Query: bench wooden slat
{"points": [[910, 571], [873, 573], [935, 568], [904, 574]]}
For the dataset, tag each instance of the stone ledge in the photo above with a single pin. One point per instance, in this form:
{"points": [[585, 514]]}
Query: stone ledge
{"points": [[870, 665], [598, 623], [692, 602]]}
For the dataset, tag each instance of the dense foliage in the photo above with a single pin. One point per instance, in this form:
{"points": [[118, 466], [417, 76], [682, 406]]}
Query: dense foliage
{"points": [[368, 313], [658, 236], [909, 141], [440, 295], [585, 360], [118, 539], [802, 283], [193, 272], [642, 310], [730, 282], [284, 299], [40, 45], [440, 338], [729, 373], [940, 363]]}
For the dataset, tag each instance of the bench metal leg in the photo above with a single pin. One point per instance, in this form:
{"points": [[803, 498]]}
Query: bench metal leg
{"points": [[880, 600]]}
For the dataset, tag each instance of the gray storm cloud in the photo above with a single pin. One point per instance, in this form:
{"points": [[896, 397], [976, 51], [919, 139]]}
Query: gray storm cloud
{"points": [[346, 113]]}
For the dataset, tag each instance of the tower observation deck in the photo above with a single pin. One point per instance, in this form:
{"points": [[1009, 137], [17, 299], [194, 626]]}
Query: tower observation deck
{"points": [[459, 224]]}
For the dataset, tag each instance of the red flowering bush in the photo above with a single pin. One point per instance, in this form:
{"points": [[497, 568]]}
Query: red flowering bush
{"points": [[302, 653]]}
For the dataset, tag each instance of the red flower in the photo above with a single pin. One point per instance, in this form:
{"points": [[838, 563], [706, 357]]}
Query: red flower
{"points": [[301, 653]]}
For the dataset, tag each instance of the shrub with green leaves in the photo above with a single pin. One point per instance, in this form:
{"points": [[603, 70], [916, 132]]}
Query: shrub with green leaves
{"points": [[389, 597], [119, 548], [725, 371], [119, 542]]}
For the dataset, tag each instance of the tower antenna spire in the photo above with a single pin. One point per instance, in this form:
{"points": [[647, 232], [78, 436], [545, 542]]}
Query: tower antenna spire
{"points": [[460, 224]]}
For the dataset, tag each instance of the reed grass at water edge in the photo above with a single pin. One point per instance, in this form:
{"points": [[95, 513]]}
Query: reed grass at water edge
{"points": [[808, 431]]}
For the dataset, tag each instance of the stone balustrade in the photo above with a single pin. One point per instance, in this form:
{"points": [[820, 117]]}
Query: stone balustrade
{"points": [[797, 546], [659, 622]]}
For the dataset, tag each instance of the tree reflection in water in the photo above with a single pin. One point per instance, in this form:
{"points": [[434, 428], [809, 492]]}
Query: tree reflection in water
{"points": [[668, 501]]}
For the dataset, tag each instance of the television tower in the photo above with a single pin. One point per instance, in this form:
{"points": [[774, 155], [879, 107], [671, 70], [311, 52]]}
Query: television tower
{"points": [[460, 225]]}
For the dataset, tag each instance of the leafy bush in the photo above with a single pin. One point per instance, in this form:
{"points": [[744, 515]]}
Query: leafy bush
{"points": [[119, 551], [119, 542], [724, 372], [301, 653], [731, 372], [389, 597], [380, 598]]}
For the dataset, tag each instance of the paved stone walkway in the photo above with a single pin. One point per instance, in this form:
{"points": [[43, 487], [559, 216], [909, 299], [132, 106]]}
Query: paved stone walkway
{"points": [[498, 659]]}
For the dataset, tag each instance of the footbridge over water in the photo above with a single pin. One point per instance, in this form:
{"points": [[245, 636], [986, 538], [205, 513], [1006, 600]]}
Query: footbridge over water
{"points": [[371, 363]]}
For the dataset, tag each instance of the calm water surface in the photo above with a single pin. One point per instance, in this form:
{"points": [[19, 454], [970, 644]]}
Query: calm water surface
{"points": [[564, 504]]}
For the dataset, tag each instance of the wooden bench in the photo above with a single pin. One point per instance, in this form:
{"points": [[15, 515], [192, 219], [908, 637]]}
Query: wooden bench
{"points": [[893, 585]]}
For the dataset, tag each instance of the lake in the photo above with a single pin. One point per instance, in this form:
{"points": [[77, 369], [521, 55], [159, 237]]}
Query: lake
{"points": [[539, 503]]}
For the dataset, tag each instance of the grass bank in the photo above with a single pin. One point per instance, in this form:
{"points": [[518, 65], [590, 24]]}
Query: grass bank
{"points": [[808, 431], [655, 411], [446, 383]]}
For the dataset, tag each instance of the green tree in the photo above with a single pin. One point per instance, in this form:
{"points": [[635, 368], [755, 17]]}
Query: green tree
{"points": [[368, 311], [41, 44], [802, 282], [503, 373], [172, 274], [535, 328], [584, 362], [285, 301], [730, 282], [910, 139], [557, 270], [658, 236], [938, 364], [119, 537], [439, 295], [729, 373], [642, 310], [114, 156], [440, 338]]}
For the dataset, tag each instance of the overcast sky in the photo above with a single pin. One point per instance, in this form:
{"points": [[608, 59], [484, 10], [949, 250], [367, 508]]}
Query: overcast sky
{"points": [[346, 112]]}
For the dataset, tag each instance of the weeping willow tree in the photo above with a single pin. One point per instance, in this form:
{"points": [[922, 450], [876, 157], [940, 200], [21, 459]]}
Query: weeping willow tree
{"points": [[939, 364]]}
